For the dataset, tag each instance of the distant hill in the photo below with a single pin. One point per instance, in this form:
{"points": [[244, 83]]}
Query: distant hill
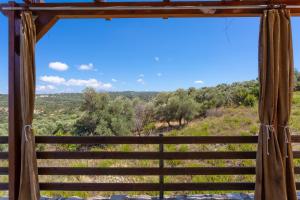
{"points": [[132, 94], [60, 110], [58, 100]]}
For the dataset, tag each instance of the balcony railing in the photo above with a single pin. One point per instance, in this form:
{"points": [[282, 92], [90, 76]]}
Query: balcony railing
{"points": [[160, 171]]}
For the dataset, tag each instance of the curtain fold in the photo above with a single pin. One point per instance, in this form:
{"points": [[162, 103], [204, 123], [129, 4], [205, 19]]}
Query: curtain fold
{"points": [[274, 165], [29, 185]]}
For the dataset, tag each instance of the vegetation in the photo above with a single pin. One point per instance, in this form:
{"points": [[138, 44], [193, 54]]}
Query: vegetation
{"points": [[227, 109], [105, 114]]}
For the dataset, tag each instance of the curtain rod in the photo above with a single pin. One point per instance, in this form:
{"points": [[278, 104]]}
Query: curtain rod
{"points": [[36, 8]]}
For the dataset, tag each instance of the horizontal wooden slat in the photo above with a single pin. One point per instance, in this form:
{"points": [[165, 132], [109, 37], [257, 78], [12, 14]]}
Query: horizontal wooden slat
{"points": [[208, 186], [145, 140], [297, 170], [146, 171], [296, 154], [99, 186], [148, 186], [147, 155], [296, 138], [141, 186], [3, 170], [3, 139], [144, 186], [3, 155], [3, 186]]}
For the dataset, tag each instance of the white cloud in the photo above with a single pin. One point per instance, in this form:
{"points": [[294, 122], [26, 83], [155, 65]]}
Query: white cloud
{"points": [[94, 83], [86, 67], [106, 86], [59, 66], [140, 80], [88, 83], [52, 79], [159, 74], [156, 59], [141, 75], [199, 82], [114, 80], [45, 88]]}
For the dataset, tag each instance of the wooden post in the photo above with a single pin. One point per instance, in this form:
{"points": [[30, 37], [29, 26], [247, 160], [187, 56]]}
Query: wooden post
{"points": [[14, 118], [161, 167]]}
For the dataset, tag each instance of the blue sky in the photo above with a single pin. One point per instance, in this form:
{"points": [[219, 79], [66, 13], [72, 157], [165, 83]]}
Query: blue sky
{"points": [[144, 54]]}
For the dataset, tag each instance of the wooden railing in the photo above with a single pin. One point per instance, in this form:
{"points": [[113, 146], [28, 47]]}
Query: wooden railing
{"points": [[160, 171]]}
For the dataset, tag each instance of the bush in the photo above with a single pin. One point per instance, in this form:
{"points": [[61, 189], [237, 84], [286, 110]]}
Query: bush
{"points": [[104, 115], [250, 100]]}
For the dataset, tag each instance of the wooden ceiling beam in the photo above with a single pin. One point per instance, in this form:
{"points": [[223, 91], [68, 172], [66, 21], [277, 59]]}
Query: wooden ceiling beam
{"points": [[105, 14], [155, 14], [48, 13], [103, 3], [162, 9]]}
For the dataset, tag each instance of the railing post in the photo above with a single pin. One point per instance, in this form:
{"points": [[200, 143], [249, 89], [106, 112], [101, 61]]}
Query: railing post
{"points": [[161, 167]]}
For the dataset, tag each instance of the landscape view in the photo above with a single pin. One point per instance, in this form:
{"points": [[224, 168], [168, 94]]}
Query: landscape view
{"points": [[146, 77], [227, 109]]}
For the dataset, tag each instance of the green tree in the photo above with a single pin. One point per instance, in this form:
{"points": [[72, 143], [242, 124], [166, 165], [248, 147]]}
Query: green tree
{"points": [[143, 115], [104, 115], [185, 106], [163, 112], [177, 106]]}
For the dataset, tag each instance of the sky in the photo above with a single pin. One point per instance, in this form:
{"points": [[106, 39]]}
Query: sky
{"points": [[144, 54]]}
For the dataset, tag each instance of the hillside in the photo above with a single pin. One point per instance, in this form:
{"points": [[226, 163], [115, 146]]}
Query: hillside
{"points": [[130, 113], [233, 120], [239, 120]]}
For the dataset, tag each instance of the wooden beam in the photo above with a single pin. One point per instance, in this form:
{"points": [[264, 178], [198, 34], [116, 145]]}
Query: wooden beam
{"points": [[151, 155], [162, 9], [166, 3], [147, 140], [49, 13], [14, 123], [43, 24], [140, 171], [146, 186]]}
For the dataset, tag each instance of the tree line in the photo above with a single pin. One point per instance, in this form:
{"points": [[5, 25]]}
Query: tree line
{"points": [[110, 115], [127, 113]]}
